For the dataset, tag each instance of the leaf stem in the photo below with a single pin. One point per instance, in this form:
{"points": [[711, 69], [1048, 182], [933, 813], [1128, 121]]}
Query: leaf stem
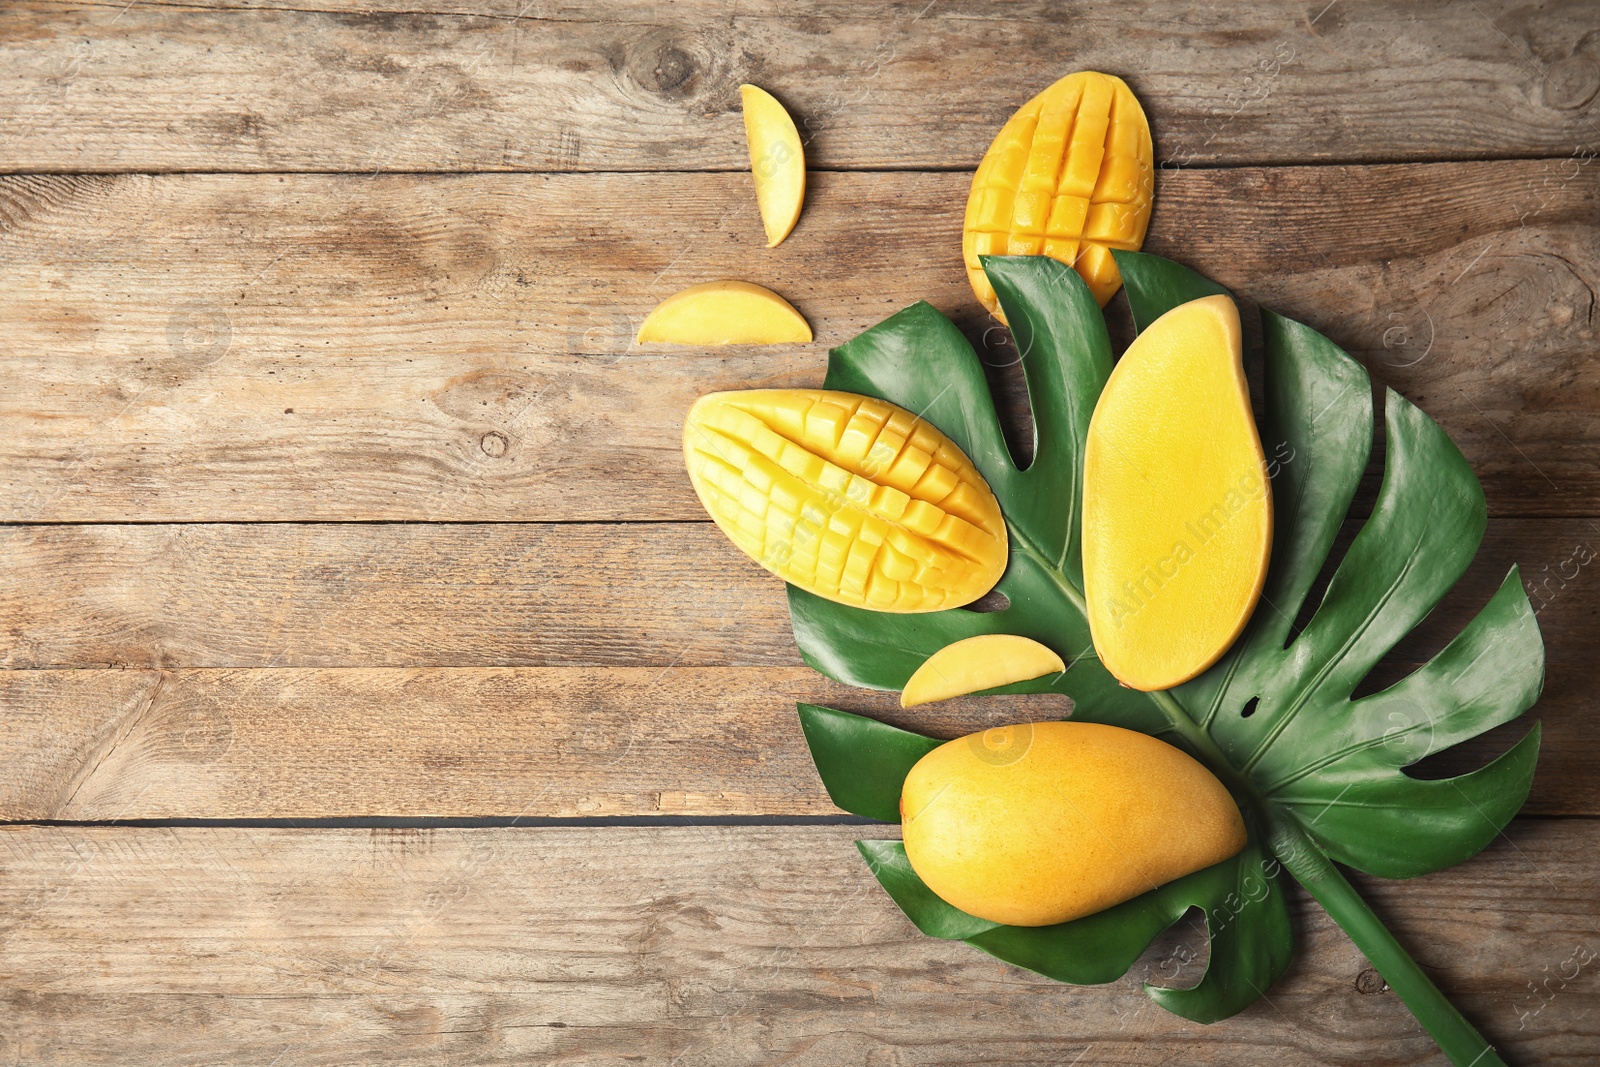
{"points": [[1205, 746], [1311, 867]]}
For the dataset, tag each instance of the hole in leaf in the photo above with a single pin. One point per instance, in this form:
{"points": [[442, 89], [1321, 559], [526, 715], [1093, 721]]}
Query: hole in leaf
{"points": [[1119, 323], [1254, 360], [1249, 708], [993, 600], [1179, 955]]}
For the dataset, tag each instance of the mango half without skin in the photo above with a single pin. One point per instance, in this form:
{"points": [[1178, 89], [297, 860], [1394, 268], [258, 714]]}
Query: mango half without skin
{"points": [[1177, 505], [1042, 823], [846, 496]]}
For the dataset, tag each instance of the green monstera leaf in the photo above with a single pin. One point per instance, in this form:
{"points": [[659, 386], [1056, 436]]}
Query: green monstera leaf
{"points": [[1320, 774]]}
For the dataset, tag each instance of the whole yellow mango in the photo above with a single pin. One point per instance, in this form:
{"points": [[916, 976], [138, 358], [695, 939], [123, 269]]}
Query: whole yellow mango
{"points": [[1069, 176], [1041, 823], [846, 496]]}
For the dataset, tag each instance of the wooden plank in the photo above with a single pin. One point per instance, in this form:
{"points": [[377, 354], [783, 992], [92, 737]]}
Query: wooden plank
{"points": [[650, 708], [473, 85], [494, 742], [571, 594], [362, 595], [201, 348], [502, 742], [694, 945]]}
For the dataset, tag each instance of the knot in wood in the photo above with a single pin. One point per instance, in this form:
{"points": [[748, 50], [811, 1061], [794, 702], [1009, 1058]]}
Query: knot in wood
{"points": [[663, 65], [1370, 981]]}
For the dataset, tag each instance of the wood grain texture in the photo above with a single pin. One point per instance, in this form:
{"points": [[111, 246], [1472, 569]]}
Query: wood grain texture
{"points": [[695, 946], [476, 85], [502, 742], [203, 348], [504, 594], [207, 595], [488, 742]]}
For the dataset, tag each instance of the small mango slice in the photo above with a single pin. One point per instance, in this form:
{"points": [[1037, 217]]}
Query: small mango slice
{"points": [[1177, 506], [777, 162], [1070, 176], [846, 496], [1041, 823], [979, 663], [724, 313]]}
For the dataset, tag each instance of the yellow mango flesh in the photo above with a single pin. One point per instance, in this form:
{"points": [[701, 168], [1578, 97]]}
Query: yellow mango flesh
{"points": [[1069, 176], [1041, 823], [848, 497], [777, 162], [724, 313], [1177, 507], [979, 663]]}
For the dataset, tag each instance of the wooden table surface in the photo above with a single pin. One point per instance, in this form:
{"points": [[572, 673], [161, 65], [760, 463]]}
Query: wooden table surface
{"points": [[376, 690]]}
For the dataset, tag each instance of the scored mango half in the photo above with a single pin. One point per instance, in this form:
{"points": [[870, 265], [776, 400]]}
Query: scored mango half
{"points": [[1177, 506], [1070, 176], [846, 496], [978, 663]]}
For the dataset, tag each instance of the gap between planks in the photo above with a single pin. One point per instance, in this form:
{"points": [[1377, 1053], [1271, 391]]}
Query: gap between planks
{"points": [[964, 169]]}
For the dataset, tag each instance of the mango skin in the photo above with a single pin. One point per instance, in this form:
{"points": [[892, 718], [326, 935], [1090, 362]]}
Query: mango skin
{"points": [[1042, 823], [1177, 506]]}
